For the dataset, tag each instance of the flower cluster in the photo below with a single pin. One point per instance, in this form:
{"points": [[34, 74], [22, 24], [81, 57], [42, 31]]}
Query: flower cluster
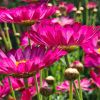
{"points": [[44, 41]]}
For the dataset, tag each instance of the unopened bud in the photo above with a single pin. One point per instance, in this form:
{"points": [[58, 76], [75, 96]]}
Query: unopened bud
{"points": [[50, 80], [74, 9], [78, 65], [58, 13], [95, 10], [81, 8], [17, 34], [78, 12], [0, 38], [46, 91], [49, 4], [71, 74]]}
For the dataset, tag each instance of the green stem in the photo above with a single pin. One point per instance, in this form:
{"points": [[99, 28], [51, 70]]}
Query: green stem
{"points": [[98, 94], [94, 20], [36, 84], [26, 83], [4, 38], [16, 37], [76, 91], [80, 90], [67, 60], [71, 91], [50, 98], [13, 93], [8, 37], [41, 82], [87, 14]]}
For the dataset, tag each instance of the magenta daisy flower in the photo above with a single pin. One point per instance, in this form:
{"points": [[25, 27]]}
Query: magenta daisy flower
{"points": [[27, 14], [93, 46], [52, 35], [24, 63]]}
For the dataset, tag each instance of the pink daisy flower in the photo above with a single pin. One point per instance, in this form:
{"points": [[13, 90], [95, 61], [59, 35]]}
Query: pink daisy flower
{"points": [[25, 63], [53, 34], [92, 60], [91, 5], [93, 46], [85, 85], [27, 14], [63, 20]]}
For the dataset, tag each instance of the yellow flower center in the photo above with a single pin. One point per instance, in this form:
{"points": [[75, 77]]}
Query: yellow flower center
{"points": [[98, 51], [21, 61]]}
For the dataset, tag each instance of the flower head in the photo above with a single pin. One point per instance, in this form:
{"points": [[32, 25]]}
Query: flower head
{"points": [[27, 14], [24, 63], [92, 60], [63, 21], [53, 34], [93, 46], [91, 5], [85, 85]]}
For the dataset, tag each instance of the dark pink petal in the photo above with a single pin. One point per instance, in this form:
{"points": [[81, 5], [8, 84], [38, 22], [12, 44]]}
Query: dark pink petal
{"points": [[26, 95]]}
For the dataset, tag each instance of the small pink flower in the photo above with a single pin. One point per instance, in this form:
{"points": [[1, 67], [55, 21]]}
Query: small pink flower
{"points": [[85, 85], [63, 21], [91, 5]]}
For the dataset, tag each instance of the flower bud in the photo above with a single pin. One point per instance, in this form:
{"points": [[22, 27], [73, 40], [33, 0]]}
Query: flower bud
{"points": [[74, 9], [95, 10], [50, 80], [78, 12], [81, 8], [0, 38], [17, 34], [49, 4], [78, 65], [58, 13], [46, 91], [71, 74]]}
